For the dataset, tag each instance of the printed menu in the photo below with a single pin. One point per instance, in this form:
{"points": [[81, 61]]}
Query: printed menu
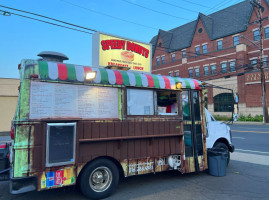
{"points": [[55, 100]]}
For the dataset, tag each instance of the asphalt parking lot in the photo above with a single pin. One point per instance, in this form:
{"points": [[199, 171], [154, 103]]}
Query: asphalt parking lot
{"points": [[247, 177]]}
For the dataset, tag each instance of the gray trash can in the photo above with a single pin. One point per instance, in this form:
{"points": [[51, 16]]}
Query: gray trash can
{"points": [[217, 161]]}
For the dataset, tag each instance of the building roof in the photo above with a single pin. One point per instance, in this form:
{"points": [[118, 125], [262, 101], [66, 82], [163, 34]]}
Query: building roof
{"points": [[228, 21], [61, 72]]}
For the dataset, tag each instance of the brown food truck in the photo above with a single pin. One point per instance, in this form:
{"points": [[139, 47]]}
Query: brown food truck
{"points": [[88, 126]]}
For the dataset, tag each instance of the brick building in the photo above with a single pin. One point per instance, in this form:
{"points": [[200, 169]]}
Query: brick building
{"points": [[214, 49]]}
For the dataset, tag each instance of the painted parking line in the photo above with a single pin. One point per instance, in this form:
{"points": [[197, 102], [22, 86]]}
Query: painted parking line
{"points": [[250, 158], [251, 151], [239, 138], [250, 131]]}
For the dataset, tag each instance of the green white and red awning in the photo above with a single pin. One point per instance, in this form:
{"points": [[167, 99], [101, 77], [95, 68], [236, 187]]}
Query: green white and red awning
{"points": [[76, 73]]}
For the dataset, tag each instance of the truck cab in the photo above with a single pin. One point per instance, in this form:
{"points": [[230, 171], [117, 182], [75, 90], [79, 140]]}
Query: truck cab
{"points": [[218, 135]]}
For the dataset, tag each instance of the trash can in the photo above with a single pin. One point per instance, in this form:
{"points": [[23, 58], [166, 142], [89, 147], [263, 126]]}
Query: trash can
{"points": [[217, 161]]}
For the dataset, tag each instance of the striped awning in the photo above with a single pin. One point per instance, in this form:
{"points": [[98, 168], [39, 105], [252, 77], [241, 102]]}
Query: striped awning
{"points": [[76, 73]]}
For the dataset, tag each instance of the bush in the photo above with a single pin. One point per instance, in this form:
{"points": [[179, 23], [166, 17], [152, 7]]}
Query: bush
{"points": [[222, 118], [257, 118]]}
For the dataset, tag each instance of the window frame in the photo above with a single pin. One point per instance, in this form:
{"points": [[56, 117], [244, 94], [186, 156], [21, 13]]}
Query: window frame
{"points": [[158, 61], [163, 59], [234, 66], [206, 74], [213, 72], [204, 49], [191, 69], [218, 45], [155, 104], [256, 37], [197, 53], [184, 54], [266, 34], [173, 57], [236, 41], [221, 67], [195, 72]]}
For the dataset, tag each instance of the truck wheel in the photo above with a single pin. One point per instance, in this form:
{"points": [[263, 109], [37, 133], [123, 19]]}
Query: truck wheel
{"points": [[221, 145], [99, 179]]}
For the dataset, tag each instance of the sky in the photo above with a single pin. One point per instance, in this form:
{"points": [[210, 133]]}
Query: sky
{"points": [[22, 38]]}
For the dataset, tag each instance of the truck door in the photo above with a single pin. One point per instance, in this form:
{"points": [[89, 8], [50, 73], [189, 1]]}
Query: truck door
{"points": [[193, 137]]}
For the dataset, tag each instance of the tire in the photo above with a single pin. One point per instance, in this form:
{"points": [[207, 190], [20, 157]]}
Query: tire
{"points": [[221, 145], [99, 179]]}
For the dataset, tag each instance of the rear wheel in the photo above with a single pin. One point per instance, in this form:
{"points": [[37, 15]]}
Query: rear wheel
{"points": [[220, 145], [99, 179]]}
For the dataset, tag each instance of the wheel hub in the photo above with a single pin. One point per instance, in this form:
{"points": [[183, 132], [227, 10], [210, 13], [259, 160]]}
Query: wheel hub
{"points": [[100, 179]]}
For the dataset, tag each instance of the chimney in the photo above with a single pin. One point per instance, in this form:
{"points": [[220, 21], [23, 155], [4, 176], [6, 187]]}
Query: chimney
{"points": [[52, 56]]}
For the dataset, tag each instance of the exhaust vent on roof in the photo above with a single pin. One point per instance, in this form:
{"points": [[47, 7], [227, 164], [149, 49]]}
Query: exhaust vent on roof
{"points": [[53, 56]]}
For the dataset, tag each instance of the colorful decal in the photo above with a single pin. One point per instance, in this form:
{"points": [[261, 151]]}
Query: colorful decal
{"points": [[115, 51], [76, 73], [58, 178], [143, 166], [50, 179], [43, 181]]}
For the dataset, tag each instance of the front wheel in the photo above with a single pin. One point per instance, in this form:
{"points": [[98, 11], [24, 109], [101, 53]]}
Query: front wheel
{"points": [[220, 145], [99, 179]]}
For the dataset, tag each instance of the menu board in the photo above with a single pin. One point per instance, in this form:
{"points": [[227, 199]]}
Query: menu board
{"points": [[55, 100]]}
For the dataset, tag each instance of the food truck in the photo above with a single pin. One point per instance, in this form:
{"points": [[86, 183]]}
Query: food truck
{"points": [[89, 126]]}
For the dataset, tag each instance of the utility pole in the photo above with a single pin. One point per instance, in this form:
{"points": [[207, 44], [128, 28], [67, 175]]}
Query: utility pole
{"points": [[257, 4]]}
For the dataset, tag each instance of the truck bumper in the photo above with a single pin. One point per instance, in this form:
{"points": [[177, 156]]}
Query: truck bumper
{"points": [[22, 185], [231, 148]]}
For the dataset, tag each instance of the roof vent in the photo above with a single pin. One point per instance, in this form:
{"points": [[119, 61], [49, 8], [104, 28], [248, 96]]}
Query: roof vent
{"points": [[53, 56]]}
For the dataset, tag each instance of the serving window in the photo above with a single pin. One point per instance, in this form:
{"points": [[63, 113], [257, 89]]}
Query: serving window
{"points": [[167, 102], [150, 102]]}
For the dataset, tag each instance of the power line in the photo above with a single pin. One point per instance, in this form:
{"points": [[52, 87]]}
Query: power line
{"points": [[45, 21], [156, 11], [31, 13], [183, 8], [110, 16]]}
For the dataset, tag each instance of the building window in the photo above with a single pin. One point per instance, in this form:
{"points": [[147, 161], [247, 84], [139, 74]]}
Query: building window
{"points": [[190, 73], [219, 44], [213, 69], [206, 73], [253, 62], [232, 66], [204, 48], [197, 72], [266, 33], [236, 40], [223, 67], [163, 59], [177, 74], [158, 60], [256, 35], [223, 102], [197, 51], [170, 73], [265, 62], [173, 57], [184, 54]]}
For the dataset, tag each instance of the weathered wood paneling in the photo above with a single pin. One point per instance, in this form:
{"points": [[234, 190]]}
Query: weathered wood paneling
{"points": [[111, 139]]}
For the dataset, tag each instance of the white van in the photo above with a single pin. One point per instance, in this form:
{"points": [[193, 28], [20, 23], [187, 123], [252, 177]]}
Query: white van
{"points": [[218, 135]]}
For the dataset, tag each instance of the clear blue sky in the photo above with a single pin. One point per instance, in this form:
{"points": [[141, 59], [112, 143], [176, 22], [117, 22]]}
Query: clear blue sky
{"points": [[24, 38]]}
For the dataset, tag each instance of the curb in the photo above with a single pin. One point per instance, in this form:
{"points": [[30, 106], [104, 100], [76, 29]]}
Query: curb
{"points": [[250, 123]]}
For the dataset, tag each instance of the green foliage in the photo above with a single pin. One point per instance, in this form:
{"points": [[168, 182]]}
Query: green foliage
{"points": [[222, 118], [257, 118]]}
